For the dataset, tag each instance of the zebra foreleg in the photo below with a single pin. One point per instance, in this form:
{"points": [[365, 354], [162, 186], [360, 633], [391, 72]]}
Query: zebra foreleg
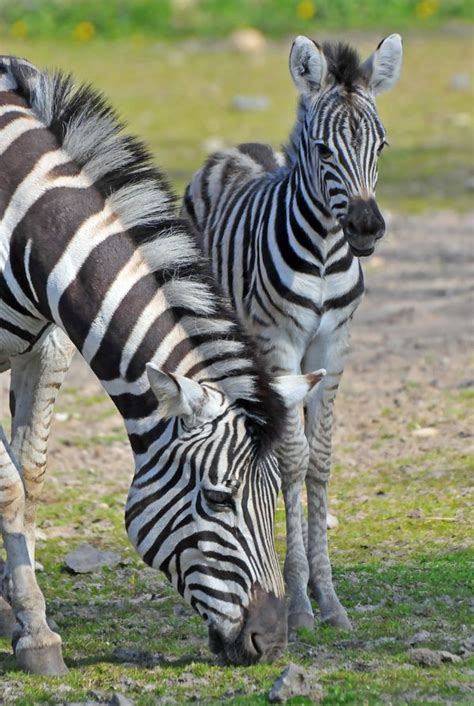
{"points": [[36, 646], [293, 460]]}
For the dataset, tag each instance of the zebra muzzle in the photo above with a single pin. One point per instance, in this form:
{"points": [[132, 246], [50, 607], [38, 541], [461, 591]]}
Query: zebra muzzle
{"points": [[363, 226], [263, 636]]}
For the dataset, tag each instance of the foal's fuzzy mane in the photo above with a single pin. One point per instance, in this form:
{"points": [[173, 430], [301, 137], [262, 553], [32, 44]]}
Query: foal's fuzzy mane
{"points": [[344, 65], [121, 168], [344, 70]]}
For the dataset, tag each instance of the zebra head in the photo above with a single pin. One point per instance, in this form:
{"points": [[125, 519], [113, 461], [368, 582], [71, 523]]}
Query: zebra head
{"points": [[204, 514], [341, 133]]}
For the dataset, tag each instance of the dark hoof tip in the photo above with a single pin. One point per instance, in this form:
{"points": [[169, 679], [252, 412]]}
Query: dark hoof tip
{"points": [[299, 620], [47, 661]]}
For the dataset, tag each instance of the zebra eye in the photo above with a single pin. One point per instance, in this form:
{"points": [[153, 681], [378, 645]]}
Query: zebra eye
{"points": [[218, 500], [323, 150]]}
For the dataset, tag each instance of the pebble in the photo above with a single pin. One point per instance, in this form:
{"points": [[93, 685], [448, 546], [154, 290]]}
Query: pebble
{"points": [[431, 658], [460, 82], [467, 647], [212, 144], [418, 637], [86, 559], [250, 103], [425, 432], [120, 700], [248, 41], [294, 681]]}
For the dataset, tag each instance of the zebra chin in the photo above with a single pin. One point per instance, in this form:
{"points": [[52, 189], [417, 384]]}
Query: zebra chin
{"points": [[262, 637]]}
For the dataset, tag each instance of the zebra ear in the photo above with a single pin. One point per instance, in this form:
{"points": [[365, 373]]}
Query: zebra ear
{"points": [[295, 388], [308, 66], [177, 395], [383, 67]]}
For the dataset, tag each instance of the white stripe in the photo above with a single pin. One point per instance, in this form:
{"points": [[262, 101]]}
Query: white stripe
{"points": [[16, 129]]}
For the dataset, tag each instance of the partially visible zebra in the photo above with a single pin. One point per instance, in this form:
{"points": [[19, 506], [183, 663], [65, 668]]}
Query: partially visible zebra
{"points": [[284, 234], [90, 245]]}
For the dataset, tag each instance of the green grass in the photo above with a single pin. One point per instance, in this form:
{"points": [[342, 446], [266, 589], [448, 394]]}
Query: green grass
{"points": [[216, 18], [177, 98], [402, 563]]}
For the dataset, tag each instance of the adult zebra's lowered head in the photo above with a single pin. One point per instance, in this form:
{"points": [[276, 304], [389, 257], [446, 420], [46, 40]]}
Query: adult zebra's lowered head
{"points": [[339, 136], [90, 245]]}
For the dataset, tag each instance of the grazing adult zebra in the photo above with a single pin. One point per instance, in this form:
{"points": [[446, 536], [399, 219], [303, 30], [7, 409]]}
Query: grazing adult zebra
{"points": [[284, 235], [90, 246]]}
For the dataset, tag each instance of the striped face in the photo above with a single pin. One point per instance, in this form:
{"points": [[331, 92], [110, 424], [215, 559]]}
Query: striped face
{"points": [[205, 518], [341, 133], [344, 140]]}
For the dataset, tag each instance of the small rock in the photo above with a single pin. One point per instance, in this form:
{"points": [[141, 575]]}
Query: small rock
{"points": [[418, 637], [431, 658], [61, 416], [332, 521], [86, 559], [63, 688], [248, 41], [120, 700], [39, 567], [460, 82], [369, 607], [179, 611], [449, 657], [294, 681], [425, 432], [250, 103], [467, 647], [212, 144]]}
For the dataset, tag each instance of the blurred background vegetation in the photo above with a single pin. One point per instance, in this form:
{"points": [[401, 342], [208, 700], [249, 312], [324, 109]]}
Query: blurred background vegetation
{"points": [[191, 76], [112, 19]]}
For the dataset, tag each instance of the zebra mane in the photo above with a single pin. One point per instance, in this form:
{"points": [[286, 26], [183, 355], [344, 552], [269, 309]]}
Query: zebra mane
{"points": [[344, 65], [121, 168], [345, 70]]}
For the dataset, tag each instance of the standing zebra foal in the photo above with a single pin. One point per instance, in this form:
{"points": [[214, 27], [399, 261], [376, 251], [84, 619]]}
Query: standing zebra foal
{"points": [[90, 247], [284, 234]]}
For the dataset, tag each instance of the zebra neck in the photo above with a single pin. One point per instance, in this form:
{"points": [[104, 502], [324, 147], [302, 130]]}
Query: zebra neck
{"points": [[309, 221]]}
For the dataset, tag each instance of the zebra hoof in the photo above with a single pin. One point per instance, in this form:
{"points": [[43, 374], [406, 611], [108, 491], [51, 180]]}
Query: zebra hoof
{"points": [[47, 661], [299, 620], [338, 620]]}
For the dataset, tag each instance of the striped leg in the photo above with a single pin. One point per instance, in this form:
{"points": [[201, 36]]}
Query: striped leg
{"points": [[35, 381], [293, 460], [319, 419], [293, 454], [37, 648]]}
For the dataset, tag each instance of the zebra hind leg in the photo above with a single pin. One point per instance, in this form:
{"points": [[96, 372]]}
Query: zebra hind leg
{"points": [[36, 646], [35, 381]]}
